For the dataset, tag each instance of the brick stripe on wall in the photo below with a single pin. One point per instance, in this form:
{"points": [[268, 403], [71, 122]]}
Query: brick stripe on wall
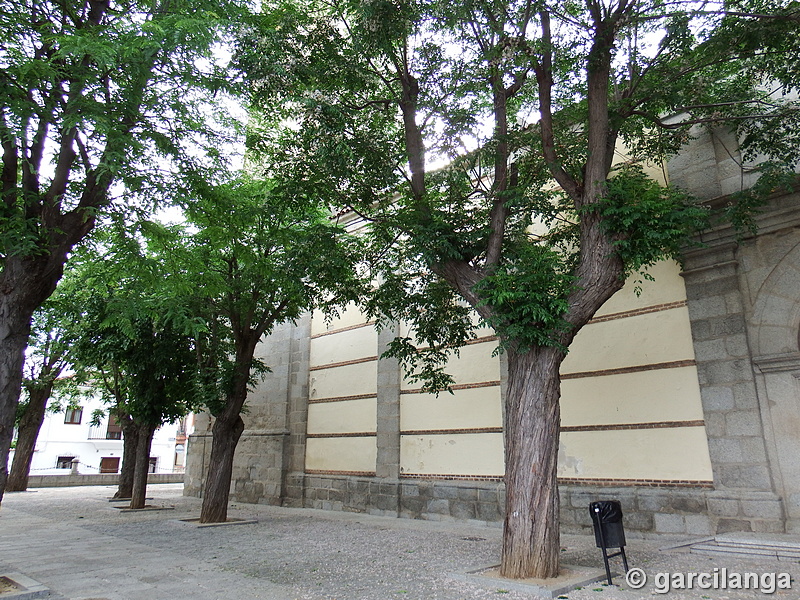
{"points": [[355, 434], [582, 481], [342, 329], [451, 431], [566, 428], [439, 477], [638, 311], [341, 398], [458, 386], [609, 317], [344, 363], [676, 364], [623, 426], [657, 483], [345, 473]]}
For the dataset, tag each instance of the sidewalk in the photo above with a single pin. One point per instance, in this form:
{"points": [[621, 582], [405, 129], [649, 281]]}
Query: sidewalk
{"points": [[76, 543]]}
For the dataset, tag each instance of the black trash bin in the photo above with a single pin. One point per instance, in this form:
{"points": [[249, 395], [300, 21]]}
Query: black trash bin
{"points": [[608, 531], [607, 521]]}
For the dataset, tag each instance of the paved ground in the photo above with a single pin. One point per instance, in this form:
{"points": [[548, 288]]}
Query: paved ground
{"points": [[75, 542]]}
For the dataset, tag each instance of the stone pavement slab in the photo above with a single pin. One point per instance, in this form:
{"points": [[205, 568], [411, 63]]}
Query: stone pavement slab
{"points": [[79, 563], [75, 543]]}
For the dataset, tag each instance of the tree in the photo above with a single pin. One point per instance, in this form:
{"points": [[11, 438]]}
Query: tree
{"points": [[53, 333], [137, 345], [93, 97], [532, 223], [160, 363], [250, 260]]}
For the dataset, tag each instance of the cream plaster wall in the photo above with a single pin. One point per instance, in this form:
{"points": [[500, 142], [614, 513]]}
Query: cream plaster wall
{"points": [[650, 338], [341, 454], [662, 454], [673, 453], [475, 365], [349, 380], [346, 345], [463, 409], [481, 331], [643, 397], [657, 395], [348, 416], [461, 454], [655, 171], [349, 316], [668, 287]]}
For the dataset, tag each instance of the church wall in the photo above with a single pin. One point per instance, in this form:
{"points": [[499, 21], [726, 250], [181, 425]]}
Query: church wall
{"points": [[680, 400]]}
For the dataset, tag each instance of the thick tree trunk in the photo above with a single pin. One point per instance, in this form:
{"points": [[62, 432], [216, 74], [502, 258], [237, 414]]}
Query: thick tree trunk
{"points": [[130, 442], [28, 432], [15, 329], [531, 534], [139, 491], [25, 283], [225, 437]]}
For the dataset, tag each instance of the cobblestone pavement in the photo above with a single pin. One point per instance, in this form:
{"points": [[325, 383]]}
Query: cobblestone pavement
{"points": [[75, 542]]}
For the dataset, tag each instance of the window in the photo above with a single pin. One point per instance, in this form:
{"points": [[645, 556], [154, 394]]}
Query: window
{"points": [[109, 464], [153, 463], [113, 431], [73, 416], [64, 462]]}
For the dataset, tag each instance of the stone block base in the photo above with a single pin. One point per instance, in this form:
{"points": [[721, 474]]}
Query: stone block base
{"points": [[258, 476], [689, 511]]}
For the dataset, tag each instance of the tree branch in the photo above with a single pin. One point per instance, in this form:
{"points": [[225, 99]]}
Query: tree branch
{"points": [[544, 78], [463, 278], [10, 161]]}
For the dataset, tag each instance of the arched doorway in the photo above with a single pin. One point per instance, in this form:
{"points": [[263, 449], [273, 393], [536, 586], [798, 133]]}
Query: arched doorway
{"points": [[775, 340]]}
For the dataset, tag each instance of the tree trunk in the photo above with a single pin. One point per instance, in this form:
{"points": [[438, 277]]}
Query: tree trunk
{"points": [[28, 432], [531, 531], [225, 436], [139, 491], [25, 282], [15, 329], [130, 440]]}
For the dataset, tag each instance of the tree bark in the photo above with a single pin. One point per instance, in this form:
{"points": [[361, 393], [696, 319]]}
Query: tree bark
{"points": [[28, 432], [16, 311], [25, 283], [130, 440], [139, 492], [225, 436], [531, 531]]}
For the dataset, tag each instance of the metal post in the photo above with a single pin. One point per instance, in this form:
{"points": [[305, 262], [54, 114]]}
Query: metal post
{"points": [[603, 544]]}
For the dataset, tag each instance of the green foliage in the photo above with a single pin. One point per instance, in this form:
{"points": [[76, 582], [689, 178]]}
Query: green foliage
{"points": [[744, 205], [648, 222], [360, 105], [528, 296], [55, 328], [252, 256], [97, 93], [137, 349], [441, 324]]}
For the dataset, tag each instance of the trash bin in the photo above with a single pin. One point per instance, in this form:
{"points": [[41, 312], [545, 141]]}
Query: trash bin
{"points": [[607, 521], [608, 531]]}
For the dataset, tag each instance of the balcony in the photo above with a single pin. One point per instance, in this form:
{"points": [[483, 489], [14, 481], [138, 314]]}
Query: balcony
{"points": [[105, 433]]}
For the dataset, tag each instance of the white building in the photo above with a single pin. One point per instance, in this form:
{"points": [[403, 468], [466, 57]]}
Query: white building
{"points": [[68, 435]]}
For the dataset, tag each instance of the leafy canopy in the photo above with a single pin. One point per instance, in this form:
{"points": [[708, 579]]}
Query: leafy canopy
{"points": [[477, 141], [134, 342], [251, 256], [99, 97]]}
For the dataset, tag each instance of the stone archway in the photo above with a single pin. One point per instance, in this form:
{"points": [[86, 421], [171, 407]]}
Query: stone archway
{"points": [[774, 327]]}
